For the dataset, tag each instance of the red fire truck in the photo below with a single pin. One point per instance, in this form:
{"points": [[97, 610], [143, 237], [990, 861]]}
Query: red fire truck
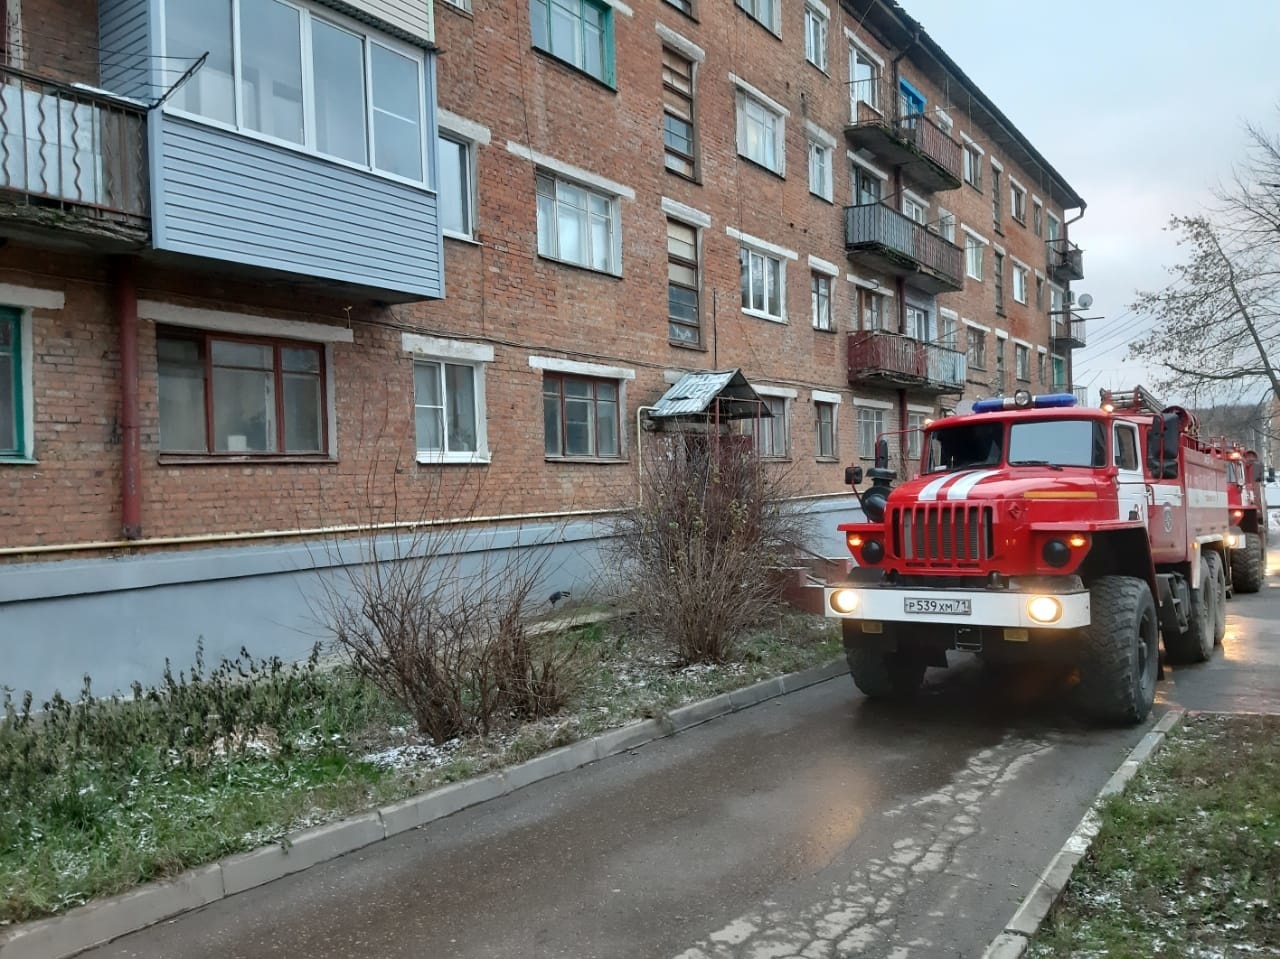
{"points": [[1246, 496], [1039, 530]]}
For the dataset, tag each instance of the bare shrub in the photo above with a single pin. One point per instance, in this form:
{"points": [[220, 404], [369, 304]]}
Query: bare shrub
{"points": [[700, 547]]}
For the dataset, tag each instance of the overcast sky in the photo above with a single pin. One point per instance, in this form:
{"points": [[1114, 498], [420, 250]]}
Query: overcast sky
{"points": [[1140, 105]]}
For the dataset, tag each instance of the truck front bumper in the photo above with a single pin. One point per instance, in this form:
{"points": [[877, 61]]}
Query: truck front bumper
{"points": [[958, 607]]}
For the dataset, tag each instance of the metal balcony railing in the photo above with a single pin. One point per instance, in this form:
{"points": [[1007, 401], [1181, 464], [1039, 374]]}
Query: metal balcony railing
{"points": [[1066, 260], [891, 357], [930, 155], [881, 230], [1069, 332], [78, 147]]}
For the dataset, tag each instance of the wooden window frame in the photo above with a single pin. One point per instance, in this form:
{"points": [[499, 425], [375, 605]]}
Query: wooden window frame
{"points": [[12, 318], [696, 289], [206, 338], [549, 377]]}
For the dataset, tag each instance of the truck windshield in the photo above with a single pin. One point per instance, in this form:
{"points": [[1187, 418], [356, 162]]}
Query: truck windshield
{"points": [[1054, 443], [1057, 443]]}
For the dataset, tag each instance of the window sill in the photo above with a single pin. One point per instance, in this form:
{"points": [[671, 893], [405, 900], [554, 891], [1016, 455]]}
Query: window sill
{"points": [[18, 461], [579, 266], [822, 70], [461, 238], [236, 459], [998, 229], [696, 178], [460, 11], [824, 329], [427, 458], [684, 345], [780, 174], [589, 460], [824, 199], [775, 459], [761, 315], [1021, 223], [970, 276], [975, 186], [827, 459], [573, 68]]}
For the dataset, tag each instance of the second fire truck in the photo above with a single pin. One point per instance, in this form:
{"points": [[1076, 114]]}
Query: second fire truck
{"points": [[1039, 530]]}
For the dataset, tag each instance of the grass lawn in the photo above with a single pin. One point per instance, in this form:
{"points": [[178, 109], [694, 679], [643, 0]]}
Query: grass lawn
{"points": [[1187, 862], [117, 794]]}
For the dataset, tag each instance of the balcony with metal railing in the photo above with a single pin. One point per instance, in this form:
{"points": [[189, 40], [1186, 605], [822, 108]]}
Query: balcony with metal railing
{"points": [[71, 160], [1066, 261], [885, 240], [890, 359], [1067, 333], [883, 122]]}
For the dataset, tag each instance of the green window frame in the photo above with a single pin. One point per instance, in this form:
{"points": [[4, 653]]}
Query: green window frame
{"points": [[12, 414], [578, 32]]}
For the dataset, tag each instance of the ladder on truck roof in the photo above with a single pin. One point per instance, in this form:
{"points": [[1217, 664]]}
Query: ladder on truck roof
{"points": [[1139, 399]]}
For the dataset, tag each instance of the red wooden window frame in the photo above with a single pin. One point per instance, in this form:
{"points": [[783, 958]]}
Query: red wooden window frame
{"points": [[559, 380]]}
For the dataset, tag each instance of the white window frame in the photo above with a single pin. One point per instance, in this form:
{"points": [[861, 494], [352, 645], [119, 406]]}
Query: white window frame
{"points": [[820, 399], [817, 20], [471, 136], [1017, 192], [870, 413], [860, 51], [821, 147], [1021, 350], [1020, 274], [946, 225], [770, 251], [749, 99], [369, 37], [615, 223], [949, 329], [787, 396], [23, 300], [917, 419], [974, 242], [477, 356], [460, 4], [1052, 225], [751, 9], [915, 207], [972, 162]]}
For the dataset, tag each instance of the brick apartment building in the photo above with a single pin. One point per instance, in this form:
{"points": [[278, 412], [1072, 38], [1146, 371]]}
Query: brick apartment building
{"points": [[227, 334]]}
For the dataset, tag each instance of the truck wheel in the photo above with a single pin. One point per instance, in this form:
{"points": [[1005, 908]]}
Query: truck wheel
{"points": [[1196, 644], [1121, 651], [1219, 572], [883, 675], [1246, 565]]}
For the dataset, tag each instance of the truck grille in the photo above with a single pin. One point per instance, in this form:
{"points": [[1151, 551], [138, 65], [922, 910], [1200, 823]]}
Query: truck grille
{"points": [[943, 536]]}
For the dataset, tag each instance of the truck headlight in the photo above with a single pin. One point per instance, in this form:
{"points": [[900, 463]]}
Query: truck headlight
{"points": [[1044, 609], [844, 601]]}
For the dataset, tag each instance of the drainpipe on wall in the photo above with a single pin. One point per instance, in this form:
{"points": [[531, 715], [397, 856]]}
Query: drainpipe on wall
{"points": [[1071, 354], [126, 303], [14, 51]]}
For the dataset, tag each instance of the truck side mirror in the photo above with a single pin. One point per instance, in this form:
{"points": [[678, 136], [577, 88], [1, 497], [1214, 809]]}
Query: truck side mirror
{"points": [[1271, 474], [882, 453], [1172, 440], [852, 475], [1155, 447]]}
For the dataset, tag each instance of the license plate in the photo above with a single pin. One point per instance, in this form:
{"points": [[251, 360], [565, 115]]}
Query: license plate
{"points": [[953, 607]]}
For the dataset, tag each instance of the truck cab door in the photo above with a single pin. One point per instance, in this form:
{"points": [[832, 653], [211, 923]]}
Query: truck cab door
{"points": [[1131, 484]]}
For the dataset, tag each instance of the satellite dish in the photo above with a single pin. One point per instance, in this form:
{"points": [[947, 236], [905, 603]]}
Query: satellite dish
{"points": [[1086, 301]]}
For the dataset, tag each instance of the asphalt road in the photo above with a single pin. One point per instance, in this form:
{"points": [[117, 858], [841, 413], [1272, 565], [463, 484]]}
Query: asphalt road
{"points": [[815, 825]]}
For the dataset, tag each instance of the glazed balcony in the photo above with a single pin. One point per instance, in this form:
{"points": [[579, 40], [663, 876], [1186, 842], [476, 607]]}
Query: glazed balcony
{"points": [[881, 122], [1066, 261], [72, 161], [890, 359], [1068, 333], [885, 240]]}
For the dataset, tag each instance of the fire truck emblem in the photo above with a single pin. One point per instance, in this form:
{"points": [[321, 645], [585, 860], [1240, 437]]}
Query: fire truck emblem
{"points": [[1168, 519]]}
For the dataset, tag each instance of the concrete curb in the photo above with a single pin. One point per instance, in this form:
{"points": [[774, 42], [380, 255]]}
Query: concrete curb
{"points": [[101, 921], [1012, 943]]}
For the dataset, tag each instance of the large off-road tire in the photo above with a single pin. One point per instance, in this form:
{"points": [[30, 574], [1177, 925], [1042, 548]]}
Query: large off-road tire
{"points": [[1247, 565], [1195, 645], [883, 675], [1219, 572], [1121, 651]]}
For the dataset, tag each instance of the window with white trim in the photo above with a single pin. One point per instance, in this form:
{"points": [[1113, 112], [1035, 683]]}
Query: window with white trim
{"points": [[460, 4], [683, 284], [820, 170], [679, 134], [946, 225], [1037, 218], [241, 395], [918, 323], [972, 166], [1022, 362], [763, 279], [1039, 292], [864, 86], [775, 436], [581, 417], [815, 36], [760, 133], [1056, 300], [763, 11], [1055, 228], [684, 6], [820, 297], [873, 311], [948, 333], [14, 442], [1018, 203], [579, 32], [915, 210], [448, 411], [915, 438], [870, 427], [578, 225], [867, 187], [825, 417], [1020, 283], [973, 248], [456, 184], [303, 77]]}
